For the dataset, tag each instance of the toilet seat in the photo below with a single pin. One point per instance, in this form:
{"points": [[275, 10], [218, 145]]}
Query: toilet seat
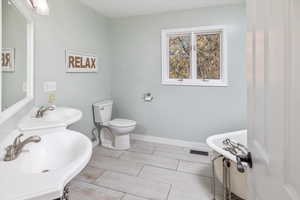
{"points": [[122, 123]]}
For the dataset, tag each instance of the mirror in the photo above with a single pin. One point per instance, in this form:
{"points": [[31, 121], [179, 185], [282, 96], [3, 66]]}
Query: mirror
{"points": [[16, 55]]}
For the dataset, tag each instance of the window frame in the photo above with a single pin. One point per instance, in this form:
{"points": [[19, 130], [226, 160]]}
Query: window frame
{"points": [[222, 82]]}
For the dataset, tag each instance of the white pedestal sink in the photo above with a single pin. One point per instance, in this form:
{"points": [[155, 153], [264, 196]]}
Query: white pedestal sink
{"points": [[63, 114], [60, 117], [43, 169], [56, 151]]}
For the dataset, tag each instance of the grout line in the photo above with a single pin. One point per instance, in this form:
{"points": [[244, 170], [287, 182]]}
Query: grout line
{"points": [[119, 172], [121, 154], [105, 170], [140, 171], [154, 150], [169, 191], [123, 197], [94, 182], [105, 155], [137, 151], [109, 188], [133, 177], [126, 193], [112, 189], [100, 186], [178, 165], [155, 166], [174, 170], [147, 164]]}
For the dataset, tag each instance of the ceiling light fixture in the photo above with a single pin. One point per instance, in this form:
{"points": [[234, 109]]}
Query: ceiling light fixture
{"points": [[41, 6]]}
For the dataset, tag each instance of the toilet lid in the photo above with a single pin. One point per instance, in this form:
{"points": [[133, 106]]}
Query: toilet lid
{"points": [[122, 123]]}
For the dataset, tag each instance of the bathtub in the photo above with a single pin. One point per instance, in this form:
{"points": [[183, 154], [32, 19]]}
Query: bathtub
{"points": [[238, 181]]}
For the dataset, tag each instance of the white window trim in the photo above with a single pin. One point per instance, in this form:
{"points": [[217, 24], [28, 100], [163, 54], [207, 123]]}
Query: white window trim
{"points": [[223, 82]]}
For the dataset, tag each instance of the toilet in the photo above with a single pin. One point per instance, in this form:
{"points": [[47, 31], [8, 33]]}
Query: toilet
{"points": [[115, 134]]}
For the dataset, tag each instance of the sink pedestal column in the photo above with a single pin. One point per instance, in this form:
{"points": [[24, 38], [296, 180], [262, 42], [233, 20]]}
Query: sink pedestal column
{"points": [[66, 193]]}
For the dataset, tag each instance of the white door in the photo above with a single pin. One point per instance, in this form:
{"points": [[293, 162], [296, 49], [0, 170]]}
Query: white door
{"points": [[273, 59]]}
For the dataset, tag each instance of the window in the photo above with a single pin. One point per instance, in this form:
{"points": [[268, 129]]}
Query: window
{"points": [[194, 56]]}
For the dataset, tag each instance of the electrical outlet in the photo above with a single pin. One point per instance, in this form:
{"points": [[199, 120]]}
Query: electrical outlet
{"points": [[50, 86]]}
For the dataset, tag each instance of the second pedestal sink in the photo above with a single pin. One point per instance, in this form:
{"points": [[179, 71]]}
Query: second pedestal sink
{"points": [[60, 117], [63, 114]]}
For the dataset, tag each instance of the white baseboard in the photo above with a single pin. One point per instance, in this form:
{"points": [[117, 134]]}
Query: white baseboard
{"points": [[192, 145]]}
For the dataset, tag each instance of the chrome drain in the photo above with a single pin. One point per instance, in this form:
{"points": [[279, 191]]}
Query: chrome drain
{"points": [[46, 171]]}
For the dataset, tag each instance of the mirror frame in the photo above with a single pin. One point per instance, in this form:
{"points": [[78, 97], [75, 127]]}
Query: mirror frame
{"points": [[12, 110]]}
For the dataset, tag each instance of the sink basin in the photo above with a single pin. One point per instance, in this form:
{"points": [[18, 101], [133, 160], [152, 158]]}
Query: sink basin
{"points": [[42, 157], [48, 165], [60, 117], [63, 114]]}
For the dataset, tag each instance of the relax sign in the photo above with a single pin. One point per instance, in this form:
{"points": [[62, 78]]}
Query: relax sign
{"points": [[78, 61]]}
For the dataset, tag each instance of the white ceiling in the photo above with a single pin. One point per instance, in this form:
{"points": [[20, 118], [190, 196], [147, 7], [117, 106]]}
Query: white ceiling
{"points": [[125, 8]]}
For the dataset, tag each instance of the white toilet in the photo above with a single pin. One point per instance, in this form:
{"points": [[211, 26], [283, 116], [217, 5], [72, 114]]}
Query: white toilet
{"points": [[116, 135]]}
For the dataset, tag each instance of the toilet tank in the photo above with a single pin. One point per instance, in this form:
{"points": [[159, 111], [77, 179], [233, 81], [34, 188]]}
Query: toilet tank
{"points": [[102, 111]]}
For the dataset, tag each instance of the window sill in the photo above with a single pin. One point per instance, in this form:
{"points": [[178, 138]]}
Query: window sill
{"points": [[196, 83]]}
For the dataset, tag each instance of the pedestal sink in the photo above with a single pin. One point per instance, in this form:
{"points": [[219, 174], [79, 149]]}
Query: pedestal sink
{"points": [[43, 157], [63, 114], [43, 169], [60, 117]]}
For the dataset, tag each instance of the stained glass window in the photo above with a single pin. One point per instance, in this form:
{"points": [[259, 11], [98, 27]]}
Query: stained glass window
{"points": [[194, 56], [208, 56], [180, 56]]}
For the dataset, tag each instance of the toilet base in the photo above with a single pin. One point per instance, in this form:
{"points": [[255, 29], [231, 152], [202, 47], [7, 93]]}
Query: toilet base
{"points": [[114, 141]]}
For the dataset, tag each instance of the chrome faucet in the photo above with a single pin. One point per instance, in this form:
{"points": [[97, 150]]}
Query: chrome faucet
{"points": [[14, 150], [41, 111]]}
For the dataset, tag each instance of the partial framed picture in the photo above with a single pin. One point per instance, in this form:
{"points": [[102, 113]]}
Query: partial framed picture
{"points": [[81, 61], [8, 59]]}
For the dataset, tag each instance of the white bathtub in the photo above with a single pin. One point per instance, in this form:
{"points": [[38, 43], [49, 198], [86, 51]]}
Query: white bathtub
{"points": [[238, 180]]}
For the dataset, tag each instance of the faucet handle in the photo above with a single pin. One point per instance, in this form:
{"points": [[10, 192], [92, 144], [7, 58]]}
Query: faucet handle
{"points": [[51, 108], [38, 112], [17, 140]]}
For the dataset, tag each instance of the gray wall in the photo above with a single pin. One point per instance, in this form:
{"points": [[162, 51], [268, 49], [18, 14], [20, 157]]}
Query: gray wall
{"points": [[189, 113], [14, 36], [181, 112], [74, 26]]}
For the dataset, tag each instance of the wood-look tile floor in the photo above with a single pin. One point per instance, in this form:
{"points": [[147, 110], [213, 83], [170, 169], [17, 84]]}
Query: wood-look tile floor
{"points": [[148, 171]]}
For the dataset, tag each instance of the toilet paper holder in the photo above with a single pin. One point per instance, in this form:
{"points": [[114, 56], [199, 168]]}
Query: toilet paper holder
{"points": [[148, 97]]}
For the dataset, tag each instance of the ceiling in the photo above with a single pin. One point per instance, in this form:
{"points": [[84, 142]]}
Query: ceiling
{"points": [[125, 8]]}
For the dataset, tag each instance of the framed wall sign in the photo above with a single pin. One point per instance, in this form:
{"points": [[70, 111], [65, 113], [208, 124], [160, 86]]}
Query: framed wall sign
{"points": [[81, 61], [8, 59]]}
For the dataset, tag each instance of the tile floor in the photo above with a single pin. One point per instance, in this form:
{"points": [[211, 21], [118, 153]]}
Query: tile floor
{"points": [[148, 171]]}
